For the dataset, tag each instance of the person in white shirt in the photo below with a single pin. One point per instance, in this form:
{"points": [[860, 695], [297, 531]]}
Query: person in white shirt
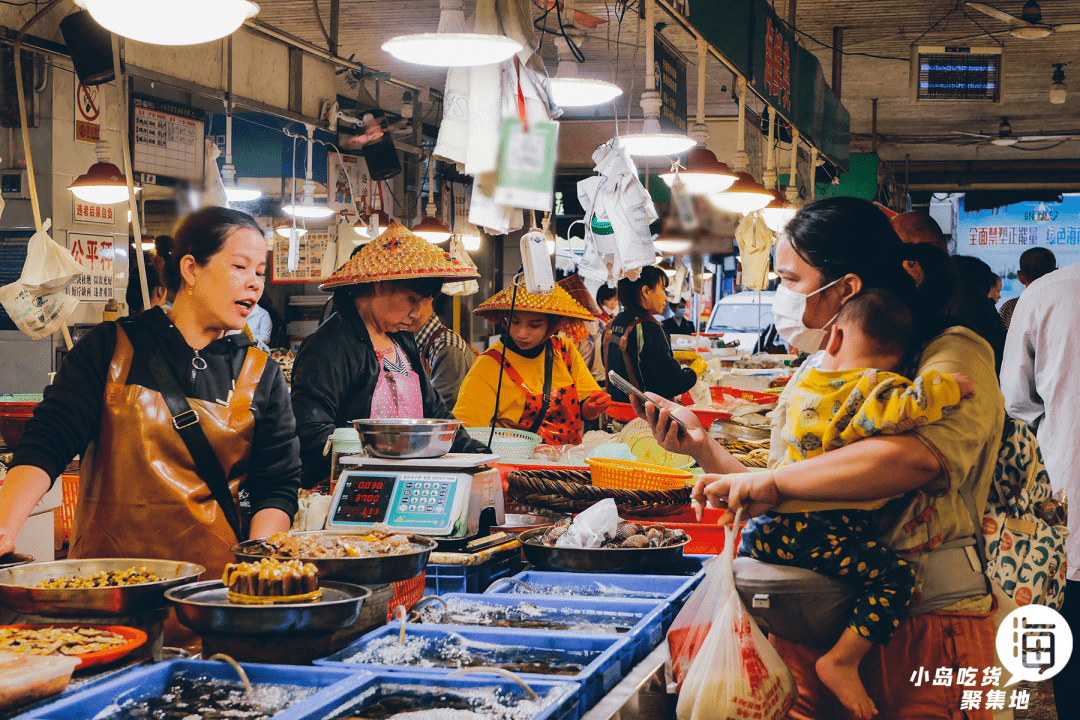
{"points": [[260, 326], [1040, 379]]}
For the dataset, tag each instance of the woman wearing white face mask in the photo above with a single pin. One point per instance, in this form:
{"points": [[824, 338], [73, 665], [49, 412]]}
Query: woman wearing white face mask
{"points": [[832, 250]]}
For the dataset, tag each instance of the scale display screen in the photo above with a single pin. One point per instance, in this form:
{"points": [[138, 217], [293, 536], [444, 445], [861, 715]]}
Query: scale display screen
{"points": [[364, 498]]}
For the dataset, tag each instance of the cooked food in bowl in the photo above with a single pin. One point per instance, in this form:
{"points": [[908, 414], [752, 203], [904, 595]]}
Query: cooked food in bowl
{"points": [[270, 581], [378, 542], [105, 578], [53, 640]]}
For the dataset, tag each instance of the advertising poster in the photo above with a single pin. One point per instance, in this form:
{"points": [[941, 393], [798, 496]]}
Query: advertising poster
{"points": [[312, 247], [95, 254], [999, 236], [347, 174]]}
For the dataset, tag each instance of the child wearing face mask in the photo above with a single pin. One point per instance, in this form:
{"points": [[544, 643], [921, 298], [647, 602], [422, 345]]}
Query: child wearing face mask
{"points": [[854, 394]]}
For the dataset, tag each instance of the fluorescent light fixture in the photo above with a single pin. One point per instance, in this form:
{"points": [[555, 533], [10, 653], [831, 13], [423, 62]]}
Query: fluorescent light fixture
{"points": [[703, 174], [171, 22], [744, 196], [433, 230], [103, 183], [450, 46]]}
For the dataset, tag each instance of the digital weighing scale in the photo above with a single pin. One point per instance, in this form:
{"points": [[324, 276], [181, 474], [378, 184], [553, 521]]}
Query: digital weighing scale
{"points": [[437, 497]]}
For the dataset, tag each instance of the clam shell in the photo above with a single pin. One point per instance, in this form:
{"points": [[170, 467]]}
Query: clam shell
{"points": [[636, 541], [627, 529]]}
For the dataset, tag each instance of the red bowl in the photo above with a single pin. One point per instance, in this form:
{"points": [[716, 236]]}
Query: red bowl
{"points": [[135, 638]]}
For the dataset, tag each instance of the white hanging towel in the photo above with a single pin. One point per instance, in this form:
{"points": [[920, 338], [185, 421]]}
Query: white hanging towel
{"points": [[618, 211], [755, 244]]}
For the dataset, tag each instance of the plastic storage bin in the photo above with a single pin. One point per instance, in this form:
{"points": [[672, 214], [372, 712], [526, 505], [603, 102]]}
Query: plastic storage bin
{"points": [[141, 683], [25, 679], [560, 698], [442, 579], [596, 678], [508, 443], [673, 589], [647, 620]]}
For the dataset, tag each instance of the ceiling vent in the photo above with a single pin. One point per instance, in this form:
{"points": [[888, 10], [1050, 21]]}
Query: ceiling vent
{"points": [[948, 72]]}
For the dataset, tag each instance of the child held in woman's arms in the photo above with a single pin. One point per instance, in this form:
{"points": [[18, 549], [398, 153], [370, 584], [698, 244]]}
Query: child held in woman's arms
{"points": [[853, 394]]}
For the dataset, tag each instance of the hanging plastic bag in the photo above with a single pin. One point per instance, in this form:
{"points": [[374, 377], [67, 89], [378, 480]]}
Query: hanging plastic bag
{"points": [[462, 287], [36, 301], [213, 194], [724, 666]]}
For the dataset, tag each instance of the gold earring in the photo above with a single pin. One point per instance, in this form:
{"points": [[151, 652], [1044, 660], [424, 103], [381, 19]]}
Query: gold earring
{"points": [[191, 290]]}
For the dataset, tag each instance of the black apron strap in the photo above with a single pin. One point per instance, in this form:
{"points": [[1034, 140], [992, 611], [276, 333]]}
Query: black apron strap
{"points": [[186, 421], [545, 402]]}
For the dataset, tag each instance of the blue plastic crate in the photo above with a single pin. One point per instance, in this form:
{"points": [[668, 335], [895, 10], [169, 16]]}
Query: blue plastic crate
{"points": [[562, 697], [442, 579], [645, 618], [145, 682], [596, 678]]}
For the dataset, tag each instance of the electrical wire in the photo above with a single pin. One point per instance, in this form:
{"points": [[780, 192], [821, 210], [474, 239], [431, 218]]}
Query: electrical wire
{"points": [[842, 52], [502, 361], [326, 35]]}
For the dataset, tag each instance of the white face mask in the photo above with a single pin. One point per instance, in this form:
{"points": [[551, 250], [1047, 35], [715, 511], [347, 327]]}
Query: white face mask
{"points": [[788, 309]]}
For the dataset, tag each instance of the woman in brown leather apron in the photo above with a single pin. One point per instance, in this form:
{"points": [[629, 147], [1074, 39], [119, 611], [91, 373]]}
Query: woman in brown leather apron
{"points": [[532, 380], [129, 393]]}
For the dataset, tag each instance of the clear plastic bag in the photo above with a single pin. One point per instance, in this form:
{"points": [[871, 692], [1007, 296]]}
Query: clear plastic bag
{"points": [[724, 666]]}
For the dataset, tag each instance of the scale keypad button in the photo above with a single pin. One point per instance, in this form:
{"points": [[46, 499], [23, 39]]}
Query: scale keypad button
{"points": [[412, 508], [442, 493], [403, 508], [406, 492], [408, 484]]}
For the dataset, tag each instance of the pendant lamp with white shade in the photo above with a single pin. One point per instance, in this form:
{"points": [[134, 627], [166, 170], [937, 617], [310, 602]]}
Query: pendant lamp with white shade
{"points": [[652, 140], [744, 196], [171, 22], [570, 90], [451, 46], [430, 227], [307, 208]]}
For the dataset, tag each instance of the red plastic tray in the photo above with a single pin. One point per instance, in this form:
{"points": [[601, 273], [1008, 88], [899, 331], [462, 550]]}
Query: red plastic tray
{"points": [[134, 637]]}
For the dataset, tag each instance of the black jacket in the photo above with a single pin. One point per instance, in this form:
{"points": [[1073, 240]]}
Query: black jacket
{"points": [[656, 367], [678, 326], [334, 378], [69, 416]]}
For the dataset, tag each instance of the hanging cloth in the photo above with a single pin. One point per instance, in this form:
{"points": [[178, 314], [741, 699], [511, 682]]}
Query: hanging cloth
{"points": [[145, 499], [554, 414], [397, 392], [755, 243]]}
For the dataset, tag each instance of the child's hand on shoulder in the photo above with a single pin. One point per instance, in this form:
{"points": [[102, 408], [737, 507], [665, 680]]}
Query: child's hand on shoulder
{"points": [[967, 387]]}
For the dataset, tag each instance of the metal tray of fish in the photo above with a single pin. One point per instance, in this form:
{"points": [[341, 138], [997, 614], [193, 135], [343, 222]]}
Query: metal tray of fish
{"points": [[374, 570], [205, 608], [17, 591], [597, 560], [725, 430]]}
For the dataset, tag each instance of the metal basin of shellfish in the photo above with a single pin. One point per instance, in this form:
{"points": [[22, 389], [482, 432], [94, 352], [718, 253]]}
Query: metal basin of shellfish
{"points": [[614, 557]]}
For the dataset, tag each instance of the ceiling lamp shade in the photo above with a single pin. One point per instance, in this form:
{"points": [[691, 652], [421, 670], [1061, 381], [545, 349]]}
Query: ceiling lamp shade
{"points": [[1057, 85], [450, 46], [234, 192], [652, 141], [307, 208], [432, 229], [744, 196], [361, 226], [171, 22], [672, 243], [569, 90], [283, 229], [103, 183], [704, 174], [778, 213]]}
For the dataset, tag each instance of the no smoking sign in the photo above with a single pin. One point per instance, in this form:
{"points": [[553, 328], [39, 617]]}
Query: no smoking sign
{"points": [[87, 112]]}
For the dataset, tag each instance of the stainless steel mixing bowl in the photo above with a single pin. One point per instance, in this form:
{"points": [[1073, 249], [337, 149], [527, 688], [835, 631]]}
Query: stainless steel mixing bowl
{"points": [[403, 438]]}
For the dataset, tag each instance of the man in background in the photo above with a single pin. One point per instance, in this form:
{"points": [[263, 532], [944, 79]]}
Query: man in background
{"points": [[677, 324], [1034, 263], [446, 356]]}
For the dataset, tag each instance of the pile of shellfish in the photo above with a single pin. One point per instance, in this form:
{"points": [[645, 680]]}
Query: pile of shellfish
{"points": [[629, 535]]}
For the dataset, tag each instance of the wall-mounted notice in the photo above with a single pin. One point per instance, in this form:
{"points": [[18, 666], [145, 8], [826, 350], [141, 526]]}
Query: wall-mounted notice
{"points": [[312, 247], [167, 141], [95, 254], [87, 113]]}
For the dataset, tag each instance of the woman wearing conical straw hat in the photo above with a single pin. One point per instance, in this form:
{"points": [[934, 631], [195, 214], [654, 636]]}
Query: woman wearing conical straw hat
{"points": [[362, 362], [546, 386]]}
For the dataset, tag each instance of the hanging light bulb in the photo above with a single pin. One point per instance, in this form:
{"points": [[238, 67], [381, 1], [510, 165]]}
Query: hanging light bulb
{"points": [[703, 174], [171, 22], [653, 141], [471, 238], [1057, 86], [744, 196], [430, 227], [450, 46], [778, 213], [569, 90], [307, 208], [103, 183]]}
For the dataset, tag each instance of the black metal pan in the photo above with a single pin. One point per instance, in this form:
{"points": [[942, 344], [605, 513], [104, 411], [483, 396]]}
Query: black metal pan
{"points": [[597, 560]]}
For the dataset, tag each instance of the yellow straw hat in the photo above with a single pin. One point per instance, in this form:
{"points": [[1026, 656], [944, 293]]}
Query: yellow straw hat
{"points": [[557, 303], [398, 254]]}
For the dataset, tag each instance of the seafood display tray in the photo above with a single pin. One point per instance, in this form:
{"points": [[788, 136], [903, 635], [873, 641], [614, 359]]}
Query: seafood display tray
{"points": [[141, 683], [598, 677], [647, 619], [441, 579]]}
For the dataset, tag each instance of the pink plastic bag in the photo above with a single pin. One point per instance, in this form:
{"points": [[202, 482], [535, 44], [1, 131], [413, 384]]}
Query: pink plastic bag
{"points": [[724, 666]]}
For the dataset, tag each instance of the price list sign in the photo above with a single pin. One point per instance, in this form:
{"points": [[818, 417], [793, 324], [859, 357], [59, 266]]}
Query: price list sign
{"points": [[309, 268], [167, 141]]}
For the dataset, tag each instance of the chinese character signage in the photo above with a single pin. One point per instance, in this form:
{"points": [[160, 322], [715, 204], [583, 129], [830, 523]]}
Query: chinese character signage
{"points": [[95, 254], [999, 236], [87, 113], [776, 77], [167, 141], [312, 247], [670, 71], [85, 212]]}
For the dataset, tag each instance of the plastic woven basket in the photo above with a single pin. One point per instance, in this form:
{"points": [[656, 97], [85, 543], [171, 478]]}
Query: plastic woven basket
{"points": [[508, 442], [570, 491], [626, 475]]}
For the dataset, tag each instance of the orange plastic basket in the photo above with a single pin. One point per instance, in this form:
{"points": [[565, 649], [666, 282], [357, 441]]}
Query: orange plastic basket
{"points": [[407, 593], [67, 505], [636, 476]]}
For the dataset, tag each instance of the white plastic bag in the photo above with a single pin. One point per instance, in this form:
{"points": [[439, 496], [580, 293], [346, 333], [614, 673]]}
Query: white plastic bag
{"points": [[592, 527], [36, 302], [724, 666]]}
